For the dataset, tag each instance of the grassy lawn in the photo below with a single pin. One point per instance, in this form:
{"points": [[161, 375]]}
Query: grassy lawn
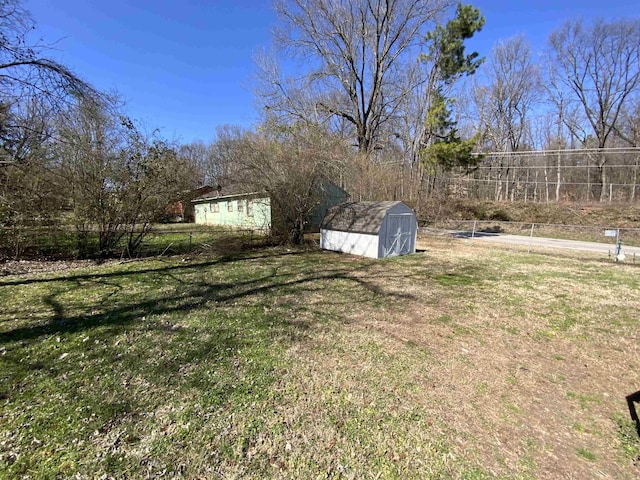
{"points": [[464, 361]]}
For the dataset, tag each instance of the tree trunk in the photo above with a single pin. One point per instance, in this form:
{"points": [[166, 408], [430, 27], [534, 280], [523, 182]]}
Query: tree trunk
{"points": [[402, 178], [513, 184], [635, 179], [558, 180], [546, 183], [603, 176], [506, 185], [297, 234]]}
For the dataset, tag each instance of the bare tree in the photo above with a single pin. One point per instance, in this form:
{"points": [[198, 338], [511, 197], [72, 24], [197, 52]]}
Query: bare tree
{"points": [[595, 70], [629, 132], [360, 61], [196, 157], [119, 180], [513, 92], [225, 154], [504, 106], [31, 193], [628, 129], [292, 165], [33, 90], [26, 75]]}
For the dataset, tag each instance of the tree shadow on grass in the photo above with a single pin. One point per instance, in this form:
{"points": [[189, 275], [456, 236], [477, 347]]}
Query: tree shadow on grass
{"points": [[191, 265], [116, 351], [230, 309], [192, 296]]}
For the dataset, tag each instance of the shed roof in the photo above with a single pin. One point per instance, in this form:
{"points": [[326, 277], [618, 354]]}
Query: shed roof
{"points": [[358, 217]]}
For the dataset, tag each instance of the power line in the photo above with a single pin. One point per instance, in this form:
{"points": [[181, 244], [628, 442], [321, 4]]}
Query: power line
{"points": [[571, 151], [549, 167], [542, 182]]}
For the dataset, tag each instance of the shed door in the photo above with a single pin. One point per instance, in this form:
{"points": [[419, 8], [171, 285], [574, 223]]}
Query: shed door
{"points": [[399, 235]]}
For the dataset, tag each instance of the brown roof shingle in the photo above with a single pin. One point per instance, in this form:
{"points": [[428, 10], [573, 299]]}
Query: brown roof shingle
{"points": [[231, 190]]}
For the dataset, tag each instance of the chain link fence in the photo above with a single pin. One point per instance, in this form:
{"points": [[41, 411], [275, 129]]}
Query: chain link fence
{"points": [[66, 243], [606, 235]]}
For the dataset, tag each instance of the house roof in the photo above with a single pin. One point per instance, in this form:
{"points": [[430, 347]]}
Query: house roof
{"points": [[197, 192], [358, 217], [235, 189], [225, 192]]}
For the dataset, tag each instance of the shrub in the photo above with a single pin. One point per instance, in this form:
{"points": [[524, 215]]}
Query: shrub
{"points": [[500, 216]]}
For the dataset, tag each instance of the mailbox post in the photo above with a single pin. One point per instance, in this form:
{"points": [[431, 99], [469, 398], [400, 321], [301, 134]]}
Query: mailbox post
{"points": [[619, 256]]}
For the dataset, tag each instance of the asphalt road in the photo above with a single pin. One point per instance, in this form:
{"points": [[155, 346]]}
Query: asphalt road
{"points": [[552, 243]]}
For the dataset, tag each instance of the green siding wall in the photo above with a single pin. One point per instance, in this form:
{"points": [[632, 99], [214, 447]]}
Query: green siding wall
{"points": [[260, 219], [330, 195], [206, 213]]}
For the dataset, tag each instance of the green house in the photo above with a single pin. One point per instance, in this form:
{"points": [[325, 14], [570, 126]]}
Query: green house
{"points": [[239, 210], [253, 210]]}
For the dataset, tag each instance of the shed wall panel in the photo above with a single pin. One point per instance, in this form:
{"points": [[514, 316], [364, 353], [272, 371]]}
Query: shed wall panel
{"points": [[399, 234], [347, 242], [388, 232]]}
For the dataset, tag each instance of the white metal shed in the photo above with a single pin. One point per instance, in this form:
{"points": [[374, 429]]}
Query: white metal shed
{"points": [[370, 229]]}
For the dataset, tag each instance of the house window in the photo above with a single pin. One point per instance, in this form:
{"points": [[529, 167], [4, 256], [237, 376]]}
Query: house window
{"points": [[240, 206], [230, 206], [249, 208], [213, 207]]}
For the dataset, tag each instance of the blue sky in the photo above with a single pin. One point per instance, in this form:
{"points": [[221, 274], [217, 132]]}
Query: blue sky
{"points": [[186, 66]]}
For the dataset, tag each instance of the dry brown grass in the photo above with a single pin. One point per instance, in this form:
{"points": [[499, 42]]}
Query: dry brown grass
{"points": [[516, 364]]}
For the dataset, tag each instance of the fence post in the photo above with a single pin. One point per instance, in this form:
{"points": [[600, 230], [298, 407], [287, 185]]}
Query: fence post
{"points": [[473, 233], [531, 237], [190, 241], [618, 245]]}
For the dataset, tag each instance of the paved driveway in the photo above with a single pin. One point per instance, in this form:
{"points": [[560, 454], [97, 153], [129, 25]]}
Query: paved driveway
{"points": [[551, 243]]}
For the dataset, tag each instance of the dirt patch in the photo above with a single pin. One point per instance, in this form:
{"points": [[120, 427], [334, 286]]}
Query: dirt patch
{"points": [[22, 267]]}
